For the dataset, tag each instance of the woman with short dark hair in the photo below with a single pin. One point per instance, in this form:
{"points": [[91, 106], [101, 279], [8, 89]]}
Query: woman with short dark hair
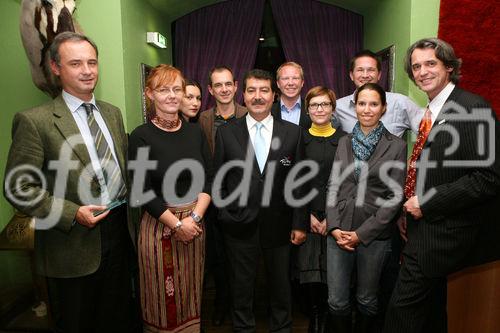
{"points": [[321, 141]]}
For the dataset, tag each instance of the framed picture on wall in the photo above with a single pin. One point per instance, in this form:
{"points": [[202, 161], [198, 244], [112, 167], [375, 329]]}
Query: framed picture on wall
{"points": [[387, 57], [145, 69]]}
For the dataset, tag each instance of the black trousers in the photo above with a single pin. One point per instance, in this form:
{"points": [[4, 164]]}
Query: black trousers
{"points": [[418, 302], [243, 257], [215, 263], [102, 301]]}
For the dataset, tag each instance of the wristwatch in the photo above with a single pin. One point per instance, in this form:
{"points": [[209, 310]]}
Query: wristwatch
{"points": [[196, 217]]}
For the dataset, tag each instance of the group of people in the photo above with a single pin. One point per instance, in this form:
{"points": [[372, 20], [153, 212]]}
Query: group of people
{"points": [[316, 187]]}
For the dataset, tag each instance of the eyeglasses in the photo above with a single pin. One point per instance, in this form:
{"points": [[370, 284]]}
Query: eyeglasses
{"points": [[369, 70], [324, 106], [167, 90]]}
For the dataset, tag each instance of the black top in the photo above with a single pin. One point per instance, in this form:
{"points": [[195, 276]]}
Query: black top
{"points": [[167, 148], [321, 150]]}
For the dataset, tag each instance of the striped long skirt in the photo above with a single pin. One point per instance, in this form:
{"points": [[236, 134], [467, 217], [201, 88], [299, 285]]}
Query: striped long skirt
{"points": [[171, 276]]}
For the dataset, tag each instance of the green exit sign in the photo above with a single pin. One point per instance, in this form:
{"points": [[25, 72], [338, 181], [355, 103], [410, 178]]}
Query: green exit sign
{"points": [[156, 39]]}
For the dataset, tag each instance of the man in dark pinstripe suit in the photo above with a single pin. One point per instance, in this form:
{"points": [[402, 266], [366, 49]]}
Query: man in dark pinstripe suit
{"points": [[457, 189]]}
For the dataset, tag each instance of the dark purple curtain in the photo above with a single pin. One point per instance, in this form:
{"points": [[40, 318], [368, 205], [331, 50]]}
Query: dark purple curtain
{"points": [[321, 38], [223, 34]]}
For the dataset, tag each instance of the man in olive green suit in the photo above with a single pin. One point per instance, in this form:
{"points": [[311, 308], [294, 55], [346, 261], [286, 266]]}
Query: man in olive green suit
{"points": [[66, 167]]}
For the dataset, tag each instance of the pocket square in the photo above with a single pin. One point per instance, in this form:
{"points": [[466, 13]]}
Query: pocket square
{"points": [[286, 161], [442, 121]]}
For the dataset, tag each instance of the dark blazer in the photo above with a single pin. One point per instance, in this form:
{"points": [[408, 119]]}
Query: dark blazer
{"points": [[322, 151], [38, 135], [460, 221], [304, 121], [370, 220], [207, 120], [275, 220]]}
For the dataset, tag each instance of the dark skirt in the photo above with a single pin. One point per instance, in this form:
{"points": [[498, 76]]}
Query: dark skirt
{"points": [[311, 259]]}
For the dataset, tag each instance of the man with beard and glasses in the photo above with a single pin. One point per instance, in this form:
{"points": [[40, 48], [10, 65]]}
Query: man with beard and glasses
{"points": [[266, 149]]}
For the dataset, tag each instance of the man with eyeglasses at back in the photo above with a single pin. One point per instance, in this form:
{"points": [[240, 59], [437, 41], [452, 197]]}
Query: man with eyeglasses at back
{"points": [[401, 114]]}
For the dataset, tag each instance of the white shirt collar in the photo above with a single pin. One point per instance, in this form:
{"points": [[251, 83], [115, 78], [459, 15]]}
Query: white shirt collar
{"points": [[351, 98], [438, 102], [266, 122], [74, 103]]}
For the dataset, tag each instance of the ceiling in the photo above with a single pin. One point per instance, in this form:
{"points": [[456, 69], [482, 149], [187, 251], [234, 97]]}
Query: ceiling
{"points": [[174, 9]]}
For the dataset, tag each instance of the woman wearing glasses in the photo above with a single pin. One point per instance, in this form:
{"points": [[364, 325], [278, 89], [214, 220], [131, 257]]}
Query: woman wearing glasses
{"points": [[321, 142], [171, 239], [364, 201]]}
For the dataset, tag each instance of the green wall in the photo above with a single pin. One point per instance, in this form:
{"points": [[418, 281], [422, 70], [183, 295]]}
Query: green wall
{"points": [[424, 23], [138, 18], [18, 92], [99, 21], [400, 22]]}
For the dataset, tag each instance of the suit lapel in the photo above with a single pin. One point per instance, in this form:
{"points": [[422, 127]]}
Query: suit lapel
{"points": [[304, 120], [380, 150], [276, 110], [65, 123], [279, 133], [443, 114], [241, 132], [243, 138], [349, 157]]}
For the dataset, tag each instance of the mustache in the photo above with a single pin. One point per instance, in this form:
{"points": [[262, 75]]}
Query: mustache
{"points": [[258, 102]]}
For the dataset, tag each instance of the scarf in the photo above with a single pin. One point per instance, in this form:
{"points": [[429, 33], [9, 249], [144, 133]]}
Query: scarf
{"points": [[364, 146]]}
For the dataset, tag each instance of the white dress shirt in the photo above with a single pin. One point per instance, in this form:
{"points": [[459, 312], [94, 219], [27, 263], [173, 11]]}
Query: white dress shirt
{"points": [[401, 114], [437, 102], [80, 115], [267, 130]]}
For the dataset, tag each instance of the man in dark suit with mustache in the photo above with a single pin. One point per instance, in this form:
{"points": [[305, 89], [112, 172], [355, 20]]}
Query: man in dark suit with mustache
{"points": [[260, 219], [452, 191]]}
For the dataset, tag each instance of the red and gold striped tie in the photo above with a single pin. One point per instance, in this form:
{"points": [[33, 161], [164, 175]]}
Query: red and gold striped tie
{"points": [[423, 131]]}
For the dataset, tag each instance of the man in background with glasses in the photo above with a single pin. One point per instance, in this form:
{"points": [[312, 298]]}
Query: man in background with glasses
{"points": [[402, 113]]}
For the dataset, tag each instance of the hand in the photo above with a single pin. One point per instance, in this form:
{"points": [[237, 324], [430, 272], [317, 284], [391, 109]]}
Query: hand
{"points": [[297, 237], [337, 234], [85, 215], [188, 231], [348, 240], [402, 227], [413, 207], [317, 226]]}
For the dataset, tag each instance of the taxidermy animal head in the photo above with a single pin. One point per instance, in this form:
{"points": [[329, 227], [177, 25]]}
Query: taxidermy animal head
{"points": [[40, 22]]}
